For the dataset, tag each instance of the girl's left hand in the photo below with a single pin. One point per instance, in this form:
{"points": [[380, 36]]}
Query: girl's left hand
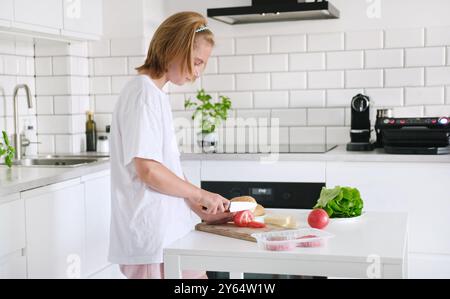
{"points": [[219, 218]]}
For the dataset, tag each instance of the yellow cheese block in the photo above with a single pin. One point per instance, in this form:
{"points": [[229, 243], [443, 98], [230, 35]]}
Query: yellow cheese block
{"points": [[285, 221]]}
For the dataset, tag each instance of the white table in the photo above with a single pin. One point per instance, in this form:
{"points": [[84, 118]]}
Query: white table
{"points": [[373, 247]]}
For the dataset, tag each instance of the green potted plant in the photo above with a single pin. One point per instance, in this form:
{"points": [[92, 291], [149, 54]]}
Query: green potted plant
{"points": [[7, 150], [210, 115]]}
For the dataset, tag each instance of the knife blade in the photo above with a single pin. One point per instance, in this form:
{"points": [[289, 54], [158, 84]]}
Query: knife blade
{"points": [[237, 206]]}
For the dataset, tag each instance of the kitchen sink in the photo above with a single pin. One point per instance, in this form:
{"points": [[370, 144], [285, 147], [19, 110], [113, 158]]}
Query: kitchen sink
{"points": [[57, 162]]}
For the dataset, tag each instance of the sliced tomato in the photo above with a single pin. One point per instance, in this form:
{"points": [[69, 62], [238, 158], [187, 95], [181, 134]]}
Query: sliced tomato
{"points": [[243, 218], [317, 243], [255, 224]]}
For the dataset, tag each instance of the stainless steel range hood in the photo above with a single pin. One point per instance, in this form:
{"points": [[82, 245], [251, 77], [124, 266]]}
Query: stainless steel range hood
{"points": [[275, 11]]}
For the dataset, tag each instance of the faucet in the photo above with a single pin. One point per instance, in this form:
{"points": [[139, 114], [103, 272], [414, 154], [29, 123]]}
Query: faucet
{"points": [[17, 135]]}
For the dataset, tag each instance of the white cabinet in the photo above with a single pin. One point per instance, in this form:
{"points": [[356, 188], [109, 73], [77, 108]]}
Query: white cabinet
{"points": [[43, 15], [420, 189], [13, 266], [12, 224], [55, 229], [263, 171], [192, 170], [6, 10], [97, 194], [83, 16], [73, 19], [12, 237]]}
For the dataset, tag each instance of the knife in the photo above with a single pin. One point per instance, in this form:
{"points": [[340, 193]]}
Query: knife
{"points": [[237, 206]]}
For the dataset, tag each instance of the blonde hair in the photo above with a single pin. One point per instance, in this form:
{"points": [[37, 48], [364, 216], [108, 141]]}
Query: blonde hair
{"points": [[175, 39]]}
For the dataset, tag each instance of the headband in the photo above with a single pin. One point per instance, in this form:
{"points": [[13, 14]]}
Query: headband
{"points": [[202, 28]]}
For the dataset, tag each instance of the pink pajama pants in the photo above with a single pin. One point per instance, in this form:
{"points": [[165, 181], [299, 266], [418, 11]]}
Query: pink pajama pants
{"points": [[155, 271]]}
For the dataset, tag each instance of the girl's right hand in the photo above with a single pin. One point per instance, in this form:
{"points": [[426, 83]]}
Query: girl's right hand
{"points": [[214, 203]]}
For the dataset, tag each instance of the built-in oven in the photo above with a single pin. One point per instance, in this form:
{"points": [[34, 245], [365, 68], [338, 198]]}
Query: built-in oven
{"points": [[272, 195]]}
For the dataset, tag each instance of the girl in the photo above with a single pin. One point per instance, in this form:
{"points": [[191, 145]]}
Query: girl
{"points": [[153, 205]]}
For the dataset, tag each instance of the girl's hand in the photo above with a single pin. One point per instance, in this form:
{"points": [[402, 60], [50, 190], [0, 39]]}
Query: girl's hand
{"points": [[219, 218], [214, 203]]}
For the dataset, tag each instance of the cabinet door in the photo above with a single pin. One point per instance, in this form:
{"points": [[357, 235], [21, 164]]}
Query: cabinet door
{"points": [[423, 266], [46, 13], [263, 171], [12, 237], [98, 217], [55, 230], [12, 224], [13, 266], [191, 170], [84, 16], [420, 189], [6, 10]]}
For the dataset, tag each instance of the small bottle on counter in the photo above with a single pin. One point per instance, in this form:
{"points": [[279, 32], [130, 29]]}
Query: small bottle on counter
{"points": [[91, 133], [103, 144]]}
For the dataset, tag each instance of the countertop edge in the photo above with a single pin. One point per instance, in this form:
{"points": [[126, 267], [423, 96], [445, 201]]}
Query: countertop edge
{"points": [[71, 173], [338, 154]]}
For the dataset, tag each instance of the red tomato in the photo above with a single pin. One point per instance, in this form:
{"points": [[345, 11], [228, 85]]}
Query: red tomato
{"points": [[255, 224], [243, 218], [318, 219]]}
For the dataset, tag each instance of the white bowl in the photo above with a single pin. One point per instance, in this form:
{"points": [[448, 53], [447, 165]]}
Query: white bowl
{"points": [[347, 220]]}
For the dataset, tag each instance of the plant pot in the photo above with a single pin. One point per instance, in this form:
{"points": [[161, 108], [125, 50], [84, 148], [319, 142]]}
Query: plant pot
{"points": [[208, 142]]}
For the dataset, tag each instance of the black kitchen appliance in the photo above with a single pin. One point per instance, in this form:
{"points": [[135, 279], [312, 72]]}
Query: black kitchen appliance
{"points": [[275, 11], [381, 114], [269, 194], [420, 136], [272, 195], [360, 125]]}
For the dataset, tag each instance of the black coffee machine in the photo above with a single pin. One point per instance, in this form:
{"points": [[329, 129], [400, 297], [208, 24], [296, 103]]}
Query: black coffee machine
{"points": [[361, 130]]}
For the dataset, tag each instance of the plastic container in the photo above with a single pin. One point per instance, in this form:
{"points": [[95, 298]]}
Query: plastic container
{"points": [[291, 239]]}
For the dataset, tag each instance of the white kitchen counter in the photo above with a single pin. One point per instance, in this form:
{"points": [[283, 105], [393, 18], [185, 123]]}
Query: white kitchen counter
{"points": [[338, 154], [373, 247], [19, 178]]}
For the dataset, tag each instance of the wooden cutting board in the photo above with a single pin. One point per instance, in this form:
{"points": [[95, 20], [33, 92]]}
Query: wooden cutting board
{"points": [[232, 231]]}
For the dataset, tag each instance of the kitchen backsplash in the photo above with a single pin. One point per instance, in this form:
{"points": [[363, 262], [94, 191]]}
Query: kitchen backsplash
{"points": [[62, 89], [306, 81], [16, 67]]}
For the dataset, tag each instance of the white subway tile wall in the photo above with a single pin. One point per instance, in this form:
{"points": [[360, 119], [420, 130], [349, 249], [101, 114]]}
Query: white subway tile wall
{"points": [[63, 89], [364, 78], [438, 36], [425, 57], [307, 80], [288, 43], [345, 60], [17, 66], [326, 42], [307, 98], [384, 59], [404, 38], [306, 61], [304, 80], [235, 64], [357, 40]]}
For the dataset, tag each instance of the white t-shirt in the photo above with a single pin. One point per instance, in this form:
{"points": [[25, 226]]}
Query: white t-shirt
{"points": [[144, 221]]}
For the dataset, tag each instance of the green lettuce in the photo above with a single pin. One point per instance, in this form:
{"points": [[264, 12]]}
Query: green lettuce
{"points": [[341, 202]]}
